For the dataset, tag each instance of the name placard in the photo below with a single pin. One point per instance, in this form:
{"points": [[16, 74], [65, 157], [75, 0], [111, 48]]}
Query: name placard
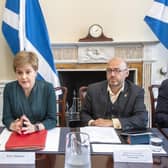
{"points": [[26, 158], [133, 155]]}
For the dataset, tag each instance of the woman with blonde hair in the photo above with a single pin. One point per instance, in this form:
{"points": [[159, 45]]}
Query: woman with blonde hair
{"points": [[29, 104]]}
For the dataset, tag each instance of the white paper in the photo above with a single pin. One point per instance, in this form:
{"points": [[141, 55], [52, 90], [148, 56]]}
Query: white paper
{"points": [[110, 148], [3, 138], [17, 157], [101, 134], [52, 141], [131, 155]]}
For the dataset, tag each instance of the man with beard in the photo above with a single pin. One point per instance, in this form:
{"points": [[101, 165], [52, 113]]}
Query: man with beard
{"points": [[115, 102]]}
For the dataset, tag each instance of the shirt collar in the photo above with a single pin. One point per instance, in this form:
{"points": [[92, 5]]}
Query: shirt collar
{"points": [[110, 91]]}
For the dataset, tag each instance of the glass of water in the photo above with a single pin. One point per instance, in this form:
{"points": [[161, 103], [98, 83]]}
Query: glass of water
{"points": [[77, 150], [156, 143]]}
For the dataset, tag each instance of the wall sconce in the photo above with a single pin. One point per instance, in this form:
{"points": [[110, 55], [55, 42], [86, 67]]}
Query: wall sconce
{"points": [[163, 70]]}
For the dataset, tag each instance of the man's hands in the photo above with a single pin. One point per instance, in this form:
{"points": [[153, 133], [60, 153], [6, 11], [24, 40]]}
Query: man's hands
{"points": [[22, 125], [102, 123]]}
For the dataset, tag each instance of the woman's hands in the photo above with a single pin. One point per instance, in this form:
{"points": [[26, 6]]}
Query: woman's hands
{"points": [[22, 125], [27, 126], [16, 126]]}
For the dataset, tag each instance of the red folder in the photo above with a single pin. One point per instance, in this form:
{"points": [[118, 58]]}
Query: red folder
{"points": [[34, 141]]}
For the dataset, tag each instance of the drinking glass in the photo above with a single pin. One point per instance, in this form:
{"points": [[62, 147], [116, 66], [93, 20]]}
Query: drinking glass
{"points": [[77, 150], [156, 142]]}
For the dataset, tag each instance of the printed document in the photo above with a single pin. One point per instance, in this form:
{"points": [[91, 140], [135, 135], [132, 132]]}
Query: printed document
{"points": [[101, 134]]}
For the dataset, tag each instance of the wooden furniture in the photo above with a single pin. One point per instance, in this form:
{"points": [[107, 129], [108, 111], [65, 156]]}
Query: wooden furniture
{"points": [[102, 160], [82, 93], [95, 33], [153, 91], [61, 105], [106, 161], [61, 95], [164, 132], [88, 38]]}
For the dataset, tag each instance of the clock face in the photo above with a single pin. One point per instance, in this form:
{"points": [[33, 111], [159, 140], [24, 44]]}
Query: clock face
{"points": [[95, 30]]}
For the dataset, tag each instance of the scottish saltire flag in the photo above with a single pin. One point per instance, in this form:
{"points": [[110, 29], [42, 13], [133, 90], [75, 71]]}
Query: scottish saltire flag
{"points": [[24, 29], [157, 20]]}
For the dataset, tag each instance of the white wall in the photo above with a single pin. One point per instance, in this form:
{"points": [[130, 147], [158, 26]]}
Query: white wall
{"points": [[160, 54], [122, 20], [68, 20]]}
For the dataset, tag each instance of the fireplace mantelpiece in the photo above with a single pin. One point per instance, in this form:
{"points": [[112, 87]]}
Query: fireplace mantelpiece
{"points": [[82, 56], [137, 66], [72, 52]]}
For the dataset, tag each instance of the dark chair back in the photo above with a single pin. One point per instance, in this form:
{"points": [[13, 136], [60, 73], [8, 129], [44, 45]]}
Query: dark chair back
{"points": [[153, 91], [43, 159], [61, 105]]}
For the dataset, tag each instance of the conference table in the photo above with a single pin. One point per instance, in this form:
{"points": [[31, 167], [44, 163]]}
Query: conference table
{"points": [[164, 132], [104, 160], [98, 160]]}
